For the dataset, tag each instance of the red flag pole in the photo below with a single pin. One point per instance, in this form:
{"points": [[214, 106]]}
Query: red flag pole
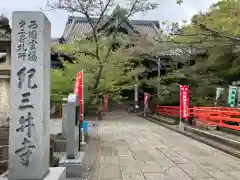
{"points": [[180, 107], [78, 89], [184, 102], [82, 109], [82, 97], [80, 79]]}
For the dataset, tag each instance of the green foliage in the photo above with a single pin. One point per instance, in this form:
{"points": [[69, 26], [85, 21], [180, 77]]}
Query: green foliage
{"points": [[117, 73], [105, 70], [216, 33]]}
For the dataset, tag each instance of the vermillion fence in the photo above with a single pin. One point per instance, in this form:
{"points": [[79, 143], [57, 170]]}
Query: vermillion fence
{"points": [[170, 110], [220, 116]]}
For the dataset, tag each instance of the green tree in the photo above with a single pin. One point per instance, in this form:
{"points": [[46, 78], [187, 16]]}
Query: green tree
{"points": [[102, 10], [101, 50], [215, 32], [117, 74]]}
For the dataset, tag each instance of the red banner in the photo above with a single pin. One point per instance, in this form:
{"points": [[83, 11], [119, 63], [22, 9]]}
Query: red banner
{"points": [[146, 98], [184, 102], [105, 102], [78, 89]]}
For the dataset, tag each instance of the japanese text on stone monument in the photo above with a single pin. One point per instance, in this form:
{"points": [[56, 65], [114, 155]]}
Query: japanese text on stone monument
{"points": [[26, 50]]}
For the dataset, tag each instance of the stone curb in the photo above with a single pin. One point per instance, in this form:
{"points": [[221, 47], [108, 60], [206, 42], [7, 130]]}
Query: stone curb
{"points": [[230, 142], [217, 145], [164, 120]]}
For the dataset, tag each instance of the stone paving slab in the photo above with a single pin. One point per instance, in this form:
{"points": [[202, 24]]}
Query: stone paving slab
{"points": [[133, 148]]}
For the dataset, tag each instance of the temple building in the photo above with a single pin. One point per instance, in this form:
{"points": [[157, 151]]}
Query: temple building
{"points": [[75, 29], [79, 27]]}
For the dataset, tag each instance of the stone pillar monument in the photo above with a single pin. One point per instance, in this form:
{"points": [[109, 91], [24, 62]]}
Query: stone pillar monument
{"points": [[74, 160], [29, 140]]}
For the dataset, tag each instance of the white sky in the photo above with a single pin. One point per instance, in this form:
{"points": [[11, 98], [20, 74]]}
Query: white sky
{"points": [[168, 10]]}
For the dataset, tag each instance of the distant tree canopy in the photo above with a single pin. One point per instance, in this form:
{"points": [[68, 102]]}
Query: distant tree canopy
{"points": [[216, 32], [117, 75], [106, 66]]}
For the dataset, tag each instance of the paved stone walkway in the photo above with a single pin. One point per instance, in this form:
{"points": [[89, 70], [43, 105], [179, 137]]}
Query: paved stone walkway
{"points": [[132, 148]]}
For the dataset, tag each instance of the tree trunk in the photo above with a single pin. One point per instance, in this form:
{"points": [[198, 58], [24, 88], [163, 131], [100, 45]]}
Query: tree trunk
{"points": [[98, 77]]}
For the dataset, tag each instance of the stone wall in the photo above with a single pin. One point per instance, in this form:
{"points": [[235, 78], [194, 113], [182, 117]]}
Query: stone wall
{"points": [[3, 158], [4, 134]]}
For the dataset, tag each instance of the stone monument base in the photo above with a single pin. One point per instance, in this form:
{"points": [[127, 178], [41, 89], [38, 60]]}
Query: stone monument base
{"points": [[61, 145], [56, 173], [74, 167]]}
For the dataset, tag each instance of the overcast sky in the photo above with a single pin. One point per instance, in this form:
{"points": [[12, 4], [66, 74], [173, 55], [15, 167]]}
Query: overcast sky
{"points": [[168, 10]]}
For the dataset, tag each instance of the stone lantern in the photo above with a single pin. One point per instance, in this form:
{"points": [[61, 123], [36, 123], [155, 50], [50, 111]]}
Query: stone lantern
{"points": [[5, 69]]}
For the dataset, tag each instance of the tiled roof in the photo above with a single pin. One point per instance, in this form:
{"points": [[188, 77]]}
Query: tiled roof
{"points": [[77, 27], [55, 41]]}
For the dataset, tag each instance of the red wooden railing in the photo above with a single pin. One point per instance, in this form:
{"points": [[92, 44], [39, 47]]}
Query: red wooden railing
{"points": [[220, 116], [170, 110]]}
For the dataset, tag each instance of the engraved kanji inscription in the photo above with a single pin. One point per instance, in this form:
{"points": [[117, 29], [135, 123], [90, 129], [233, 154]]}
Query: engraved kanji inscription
{"points": [[22, 51], [25, 102], [32, 44], [22, 23], [32, 56], [33, 34], [22, 75], [25, 151], [31, 74], [26, 123], [21, 48], [22, 56], [33, 24], [22, 36]]}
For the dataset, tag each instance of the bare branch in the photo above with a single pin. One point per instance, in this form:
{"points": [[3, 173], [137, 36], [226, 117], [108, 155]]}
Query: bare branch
{"points": [[89, 8], [103, 12], [89, 4], [85, 13]]}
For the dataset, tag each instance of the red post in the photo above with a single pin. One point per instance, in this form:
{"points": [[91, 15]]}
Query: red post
{"points": [[184, 102], [78, 89], [105, 102]]}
